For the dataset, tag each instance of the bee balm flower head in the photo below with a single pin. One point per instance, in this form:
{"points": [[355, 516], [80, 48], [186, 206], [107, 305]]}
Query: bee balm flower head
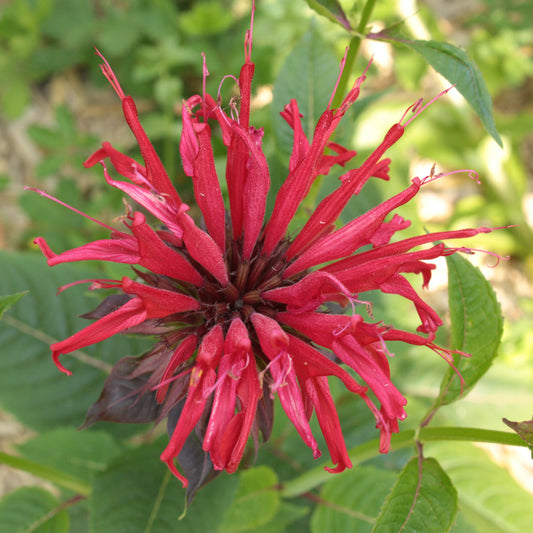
{"points": [[237, 307]]}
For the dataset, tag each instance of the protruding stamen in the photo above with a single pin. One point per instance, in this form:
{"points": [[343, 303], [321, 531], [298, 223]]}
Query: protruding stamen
{"points": [[417, 107], [110, 75], [46, 195]]}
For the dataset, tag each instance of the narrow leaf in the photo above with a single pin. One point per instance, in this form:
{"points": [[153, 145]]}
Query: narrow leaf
{"points": [[332, 10], [455, 65], [9, 300], [46, 472], [477, 327], [32, 510], [423, 499]]}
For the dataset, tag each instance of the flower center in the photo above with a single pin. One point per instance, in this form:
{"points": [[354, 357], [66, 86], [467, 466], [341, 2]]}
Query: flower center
{"points": [[248, 280]]}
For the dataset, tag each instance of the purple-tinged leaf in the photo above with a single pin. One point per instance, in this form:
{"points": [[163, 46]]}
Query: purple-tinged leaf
{"points": [[524, 429], [124, 399], [332, 10], [108, 305], [193, 460]]}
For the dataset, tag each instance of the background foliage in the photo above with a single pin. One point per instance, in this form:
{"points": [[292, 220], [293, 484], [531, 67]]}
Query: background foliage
{"points": [[55, 109]]}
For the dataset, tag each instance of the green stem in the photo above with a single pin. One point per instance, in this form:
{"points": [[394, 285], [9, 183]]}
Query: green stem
{"points": [[353, 50], [316, 476], [62, 479]]}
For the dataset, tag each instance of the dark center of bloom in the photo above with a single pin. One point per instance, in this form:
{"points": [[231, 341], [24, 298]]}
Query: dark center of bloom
{"points": [[248, 280]]}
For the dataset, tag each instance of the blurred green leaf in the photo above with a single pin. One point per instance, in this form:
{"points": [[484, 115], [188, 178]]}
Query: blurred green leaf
{"points": [[308, 75], [14, 97], [32, 510], [78, 453], [9, 300], [330, 9], [138, 494], [31, 387], [455, 65], [286, 515], [256, 502], [489, 498], [351, 500], [477, 327], [423, 499], [206, 18]]}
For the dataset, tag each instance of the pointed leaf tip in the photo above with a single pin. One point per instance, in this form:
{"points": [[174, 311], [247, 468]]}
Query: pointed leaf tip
{"points": [[524, 429], [460, 70], [332, 10]]}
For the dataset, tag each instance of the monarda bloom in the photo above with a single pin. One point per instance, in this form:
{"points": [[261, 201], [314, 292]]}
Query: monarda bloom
{"points": [[240, 309]]}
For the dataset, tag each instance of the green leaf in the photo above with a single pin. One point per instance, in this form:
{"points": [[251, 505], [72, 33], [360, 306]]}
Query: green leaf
{"points": [[78, 453], [332, 10], [489, 498], [32, 510], [51, 474], [31, 387], [308, 75], [256, 502], [350, 501], [14, 97], [9, 300], [286, 515], [477, 327], [138, 494], [206, 18], [455, 65], [423, 499]]}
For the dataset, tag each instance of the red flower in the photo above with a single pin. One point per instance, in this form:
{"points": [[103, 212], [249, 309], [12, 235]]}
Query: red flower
{"points": [[238, 307]]}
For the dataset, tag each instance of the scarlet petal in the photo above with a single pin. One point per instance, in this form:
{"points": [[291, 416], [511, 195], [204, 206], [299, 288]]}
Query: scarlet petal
{"points": [[159, 303], [203, 249], [156, 256], [130, 314], [155, 171], [123, 250], [201, 380], [352, 236], [326, 412]]}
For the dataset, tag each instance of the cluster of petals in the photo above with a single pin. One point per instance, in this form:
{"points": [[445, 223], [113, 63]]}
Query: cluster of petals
{"points": [[240, 311]]}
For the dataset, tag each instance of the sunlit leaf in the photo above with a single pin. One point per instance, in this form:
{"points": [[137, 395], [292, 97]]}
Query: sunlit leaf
{"points": [[477, 326], [489, 498], [455, 65], [423, 499]]}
